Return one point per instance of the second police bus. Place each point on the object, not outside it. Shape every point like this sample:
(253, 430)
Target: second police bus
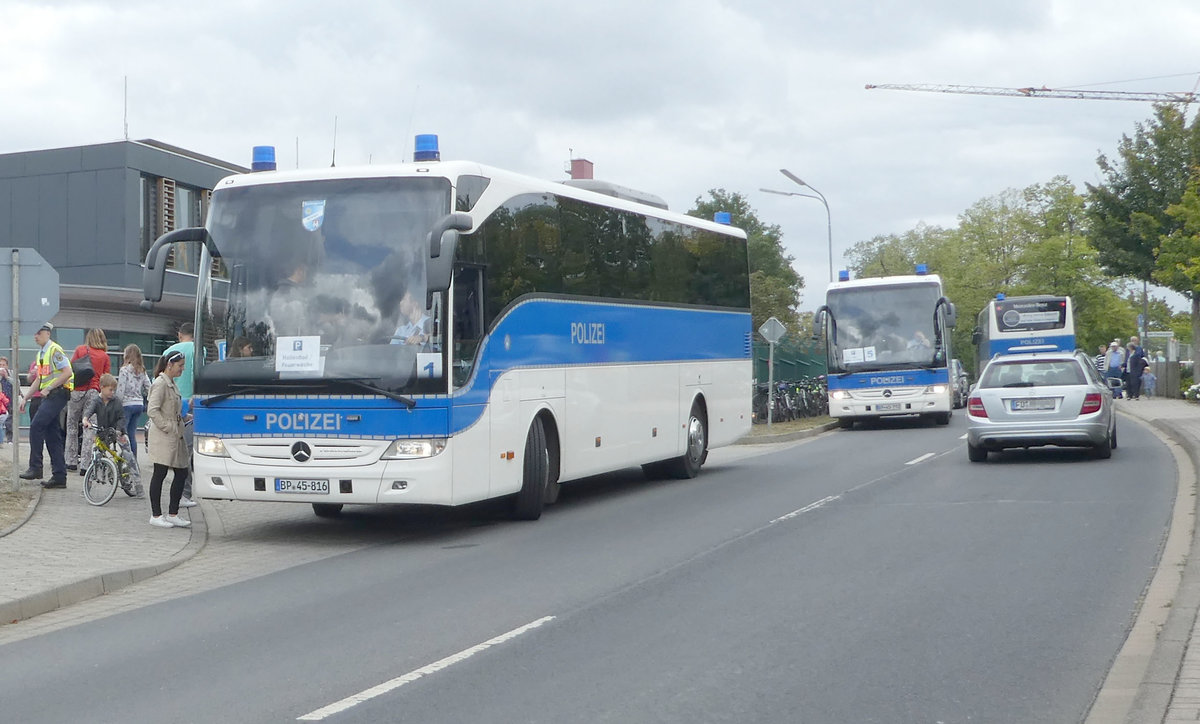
(446, 332)
(888, 347)
(1008, 323)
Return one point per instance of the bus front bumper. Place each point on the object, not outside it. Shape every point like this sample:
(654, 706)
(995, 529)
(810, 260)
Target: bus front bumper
(420, 481)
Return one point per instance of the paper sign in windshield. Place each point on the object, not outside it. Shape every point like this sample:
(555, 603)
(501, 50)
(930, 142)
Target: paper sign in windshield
(858, 354)
(298, 354)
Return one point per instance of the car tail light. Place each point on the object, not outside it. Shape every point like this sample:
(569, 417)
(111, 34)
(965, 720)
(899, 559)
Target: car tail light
(1091, 403)
(975, 407)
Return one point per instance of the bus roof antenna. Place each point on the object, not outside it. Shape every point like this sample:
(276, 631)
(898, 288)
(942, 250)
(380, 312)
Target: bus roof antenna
(333, 161)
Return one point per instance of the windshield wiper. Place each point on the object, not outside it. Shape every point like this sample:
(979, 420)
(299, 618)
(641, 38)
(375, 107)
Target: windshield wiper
(361, 383)
(240, 389)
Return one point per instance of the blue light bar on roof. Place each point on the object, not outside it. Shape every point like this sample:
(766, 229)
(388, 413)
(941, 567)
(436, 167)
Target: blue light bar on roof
(723, 217)
(922, 269)
(427, 148)
(262, 158)
(1000, 296)
(843, 275)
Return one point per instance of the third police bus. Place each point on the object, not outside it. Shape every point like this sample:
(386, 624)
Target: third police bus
(1008, 323)
(446, 332)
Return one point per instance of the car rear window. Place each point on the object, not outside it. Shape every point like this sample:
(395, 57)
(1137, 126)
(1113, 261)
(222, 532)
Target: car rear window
(1033, 373)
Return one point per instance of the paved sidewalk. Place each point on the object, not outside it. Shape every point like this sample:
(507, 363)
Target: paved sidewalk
(1170, 690)
(68, 551)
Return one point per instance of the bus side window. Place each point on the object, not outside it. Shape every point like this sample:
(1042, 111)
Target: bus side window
(468, 320)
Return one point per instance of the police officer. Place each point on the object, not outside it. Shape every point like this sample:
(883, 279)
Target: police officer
(53, 381)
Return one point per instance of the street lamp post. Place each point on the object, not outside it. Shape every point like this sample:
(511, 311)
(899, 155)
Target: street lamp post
(819, 197)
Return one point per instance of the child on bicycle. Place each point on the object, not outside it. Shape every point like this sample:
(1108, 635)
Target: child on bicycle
(110, 413)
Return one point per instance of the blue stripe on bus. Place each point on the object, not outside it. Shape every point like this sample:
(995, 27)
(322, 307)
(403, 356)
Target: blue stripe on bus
(890, 378)
(1062, 342)
(534, 333)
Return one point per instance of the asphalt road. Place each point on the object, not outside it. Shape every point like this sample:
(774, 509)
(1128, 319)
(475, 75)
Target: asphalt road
(869, 576)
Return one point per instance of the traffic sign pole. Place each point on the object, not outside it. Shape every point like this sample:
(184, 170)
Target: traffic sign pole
(28, 306)
(772, 330)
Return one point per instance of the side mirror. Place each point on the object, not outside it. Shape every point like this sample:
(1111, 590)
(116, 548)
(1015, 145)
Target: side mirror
(951, 315)
(443, 244)
(976, 336)
(155, 275)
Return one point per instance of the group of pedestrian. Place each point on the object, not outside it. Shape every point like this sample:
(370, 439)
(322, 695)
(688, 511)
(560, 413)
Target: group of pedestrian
(1128, 364)
(95, 399)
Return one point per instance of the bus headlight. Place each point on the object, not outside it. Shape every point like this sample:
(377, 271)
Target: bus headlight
(839, 394)
(410, 449)
(938, 389)
(211, 446)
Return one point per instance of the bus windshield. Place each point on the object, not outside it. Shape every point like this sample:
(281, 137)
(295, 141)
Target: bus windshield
(883, 327)
(326, 283)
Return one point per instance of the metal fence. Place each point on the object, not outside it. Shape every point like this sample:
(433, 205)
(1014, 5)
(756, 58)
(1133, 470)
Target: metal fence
(794, 360)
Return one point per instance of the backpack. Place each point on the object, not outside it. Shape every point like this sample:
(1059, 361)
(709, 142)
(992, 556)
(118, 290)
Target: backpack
(83, 371)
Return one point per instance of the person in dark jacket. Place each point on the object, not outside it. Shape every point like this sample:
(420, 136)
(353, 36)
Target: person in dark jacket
(107, 412)
(1135, 364)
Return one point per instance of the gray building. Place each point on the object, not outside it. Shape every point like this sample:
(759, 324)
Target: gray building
(92, 213)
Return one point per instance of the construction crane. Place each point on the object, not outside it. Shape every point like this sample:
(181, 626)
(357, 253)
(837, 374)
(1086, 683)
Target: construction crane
(1095, 95)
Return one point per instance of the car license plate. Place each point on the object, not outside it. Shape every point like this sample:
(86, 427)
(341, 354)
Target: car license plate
(887, 407)
(1033, 403)
(288, 485)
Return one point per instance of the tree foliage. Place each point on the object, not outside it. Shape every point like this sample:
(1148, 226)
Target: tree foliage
(775, 286)
(1146, 214)
(1032, 241)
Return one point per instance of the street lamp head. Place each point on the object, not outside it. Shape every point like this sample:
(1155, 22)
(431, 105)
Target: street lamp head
(792, 176)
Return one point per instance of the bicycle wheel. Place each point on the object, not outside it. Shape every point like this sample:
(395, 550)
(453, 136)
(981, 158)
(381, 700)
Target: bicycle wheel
(101, 481)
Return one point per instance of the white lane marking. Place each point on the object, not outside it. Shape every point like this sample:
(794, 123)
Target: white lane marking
(923, 458)
(385, 687)
(962, 436)
(805, 509)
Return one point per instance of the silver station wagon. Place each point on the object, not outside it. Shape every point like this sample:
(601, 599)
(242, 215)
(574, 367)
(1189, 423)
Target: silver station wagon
(1041, 398)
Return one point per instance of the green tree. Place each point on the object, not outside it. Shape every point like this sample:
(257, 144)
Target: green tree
(775, 286)
(1178, 263)
(1129, 211)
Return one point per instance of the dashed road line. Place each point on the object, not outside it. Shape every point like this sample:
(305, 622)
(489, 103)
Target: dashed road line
(396, 683)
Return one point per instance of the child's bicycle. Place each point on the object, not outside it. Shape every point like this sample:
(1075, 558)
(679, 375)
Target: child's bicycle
(108, 470)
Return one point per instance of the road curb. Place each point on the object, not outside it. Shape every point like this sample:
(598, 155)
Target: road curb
(32, 506)
(1153, 698)
(786, 436)
(94, 586)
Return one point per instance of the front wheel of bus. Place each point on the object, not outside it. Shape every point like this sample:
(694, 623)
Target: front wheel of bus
(688, 464)
(535, 477)
(327, 510)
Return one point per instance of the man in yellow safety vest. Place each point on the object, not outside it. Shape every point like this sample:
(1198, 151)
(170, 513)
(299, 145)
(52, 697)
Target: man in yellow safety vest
(53, 381)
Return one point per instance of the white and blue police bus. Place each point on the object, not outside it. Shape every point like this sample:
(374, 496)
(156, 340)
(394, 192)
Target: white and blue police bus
(445, 332)
(887, 340)
(1007, 324)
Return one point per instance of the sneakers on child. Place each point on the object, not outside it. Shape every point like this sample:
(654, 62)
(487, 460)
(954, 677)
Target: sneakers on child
(178, 522)
(159, 522)
(187, 503)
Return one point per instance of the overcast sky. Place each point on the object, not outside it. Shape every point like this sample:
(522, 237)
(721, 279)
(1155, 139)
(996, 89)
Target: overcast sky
(670, 97)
